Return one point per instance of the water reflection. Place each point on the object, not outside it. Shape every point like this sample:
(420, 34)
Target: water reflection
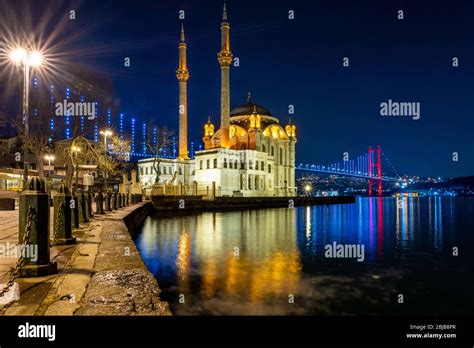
(250, 262)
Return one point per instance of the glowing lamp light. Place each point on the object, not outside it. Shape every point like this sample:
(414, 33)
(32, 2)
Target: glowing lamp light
(18, 55)
(106, 133)
(35, 59)
(308, 188)
(21, 56)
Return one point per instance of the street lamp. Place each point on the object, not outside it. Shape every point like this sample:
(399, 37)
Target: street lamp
(49, 158)
(308, 189)
(26, 59)
(106, 133)
(75, 150)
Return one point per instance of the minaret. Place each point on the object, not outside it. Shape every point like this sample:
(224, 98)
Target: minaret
(225, 60)
(182, 74)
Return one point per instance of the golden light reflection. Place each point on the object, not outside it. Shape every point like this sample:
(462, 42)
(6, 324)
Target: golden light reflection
(308, 224)
(267, 263)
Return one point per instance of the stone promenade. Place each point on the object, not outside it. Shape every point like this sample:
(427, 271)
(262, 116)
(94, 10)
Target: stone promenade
(103, 274)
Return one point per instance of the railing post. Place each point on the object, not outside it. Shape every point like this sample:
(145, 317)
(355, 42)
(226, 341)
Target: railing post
(82, 206)
(34, 224)
(108, 198)
(75, 209)
(113, 201)
(89, 204)
(62, 218)
(99, 207)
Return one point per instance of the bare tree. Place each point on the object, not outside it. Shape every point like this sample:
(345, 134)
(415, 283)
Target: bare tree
(158, 142)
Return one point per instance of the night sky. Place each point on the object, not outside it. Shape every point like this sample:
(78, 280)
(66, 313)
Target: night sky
(299, 62)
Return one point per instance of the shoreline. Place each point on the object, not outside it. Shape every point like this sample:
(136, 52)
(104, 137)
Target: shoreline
(197, 203)
(103, 274)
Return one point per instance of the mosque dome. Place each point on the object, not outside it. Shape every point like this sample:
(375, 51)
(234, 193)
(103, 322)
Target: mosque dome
(248, 108)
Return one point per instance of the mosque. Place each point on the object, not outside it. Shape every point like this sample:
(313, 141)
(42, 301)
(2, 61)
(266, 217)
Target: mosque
(250, 155)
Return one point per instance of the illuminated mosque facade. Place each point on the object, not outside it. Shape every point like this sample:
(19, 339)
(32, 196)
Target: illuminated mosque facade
(249, 155)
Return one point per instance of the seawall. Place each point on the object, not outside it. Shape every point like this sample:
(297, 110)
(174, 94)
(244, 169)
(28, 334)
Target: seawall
(169, 203)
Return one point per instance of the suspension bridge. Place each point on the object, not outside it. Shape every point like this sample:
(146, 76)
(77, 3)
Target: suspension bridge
(366, 166)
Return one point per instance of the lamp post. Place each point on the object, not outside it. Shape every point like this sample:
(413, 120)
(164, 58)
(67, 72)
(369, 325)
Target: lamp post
(49, 158)
(107, 133)
(26, 59)
(75, 150)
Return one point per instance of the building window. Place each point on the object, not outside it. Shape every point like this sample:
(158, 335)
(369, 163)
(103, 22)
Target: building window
(200, 164)
(236, 164)
(180, 171)
(273, 151)
(141, 170)
(256, 182)
(262, 166)
(146, 171)
(164, 170)
(264, 148)
(281, 156)
(225, 162)
(269, 168)
(215, 162)
(250, 165)
(242, 165)
(208, 164)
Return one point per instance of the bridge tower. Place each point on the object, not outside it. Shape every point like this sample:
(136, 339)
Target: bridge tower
(375, 176)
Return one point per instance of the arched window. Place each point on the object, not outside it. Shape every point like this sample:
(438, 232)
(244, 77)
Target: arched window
(264, 148)
(273, 151)
(262, 166)
(225, 162)
(269, 168)
(208, 164)
(146, 171)
(165, 171)
(215, 162)
(281, 156)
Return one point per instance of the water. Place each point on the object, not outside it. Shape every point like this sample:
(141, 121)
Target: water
(272, 261)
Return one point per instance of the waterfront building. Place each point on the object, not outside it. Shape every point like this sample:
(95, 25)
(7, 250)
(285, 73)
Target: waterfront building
(251, 154)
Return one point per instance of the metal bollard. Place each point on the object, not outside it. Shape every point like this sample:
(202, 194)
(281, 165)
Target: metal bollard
(34, 231)
(62, 218)
(89, 204)
(99, 207)
(74, 209)
(113, 201)
(80, 205)
(108, 198)
(119, 200)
